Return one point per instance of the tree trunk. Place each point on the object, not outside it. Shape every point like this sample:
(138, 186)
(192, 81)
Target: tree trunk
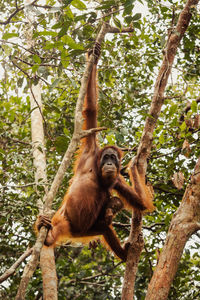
(136, 246)
(39, 161)
(47, 259)
(48, 267)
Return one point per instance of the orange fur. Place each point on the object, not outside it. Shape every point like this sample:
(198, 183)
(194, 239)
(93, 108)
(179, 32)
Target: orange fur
(87, 209)
(138, 183)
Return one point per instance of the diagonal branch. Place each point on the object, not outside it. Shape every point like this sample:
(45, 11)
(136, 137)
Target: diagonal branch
(161, 82)
(48, 199)
(77, 127)
(13, 268)
(147, 138)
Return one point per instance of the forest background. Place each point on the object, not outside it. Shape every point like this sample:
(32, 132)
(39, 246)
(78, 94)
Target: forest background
(43, 48)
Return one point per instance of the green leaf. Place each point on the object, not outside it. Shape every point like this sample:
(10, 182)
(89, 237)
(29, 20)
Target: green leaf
(7, 50)
(164, 9)
(106, 5)
(78, 4)
(69, 13)
(71, 43)
(161, 138)
(183, 126)
(117, 22)
(57, 44)
(9, 35)
(137, 16)
(45, 33)
(111, 139)
(137, 25)
(128, 7)
(61, 143)
(172, 110)
(57, 25)
(66, 132)
(55, 83)
(194, 106)
(34, 68)
(128, 19)
(20, 81)
(65, 58)
(37, 59)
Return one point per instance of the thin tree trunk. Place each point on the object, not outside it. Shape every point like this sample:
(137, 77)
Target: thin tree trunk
(47, 259)
(49, 277)
(39, 161)
(137, 244)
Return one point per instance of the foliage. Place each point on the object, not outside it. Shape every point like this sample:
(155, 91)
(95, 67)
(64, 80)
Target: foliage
(63, 31)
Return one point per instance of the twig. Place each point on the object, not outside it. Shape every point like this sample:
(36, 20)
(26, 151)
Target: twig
(6, 139)
(96, 275)
(32, 64)
(27, 75)
(22, 186)
(46, 6)
(15, 12)
(153, 225)
(149, 260)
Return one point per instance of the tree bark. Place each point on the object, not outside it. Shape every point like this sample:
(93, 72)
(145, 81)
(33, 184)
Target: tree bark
(136, 246)
(47, 259)
(49, 277)
(39, 161)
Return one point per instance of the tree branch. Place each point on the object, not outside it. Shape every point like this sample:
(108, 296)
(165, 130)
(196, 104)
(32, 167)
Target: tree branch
(197, 225)
(12, 269)
(87, 132)
(18, 9)
(122, 30)
(135, 248)
(146, 142)
(161, 82)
